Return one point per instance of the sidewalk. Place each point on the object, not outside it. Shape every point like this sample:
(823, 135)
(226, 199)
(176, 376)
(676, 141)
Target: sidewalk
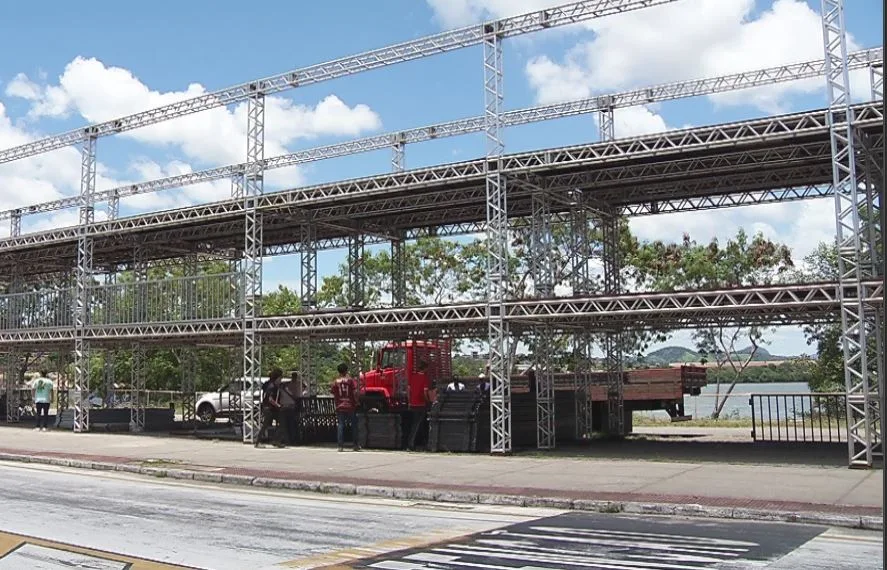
(774, 492)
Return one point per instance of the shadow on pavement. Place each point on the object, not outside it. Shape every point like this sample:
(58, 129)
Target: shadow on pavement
(679, 449)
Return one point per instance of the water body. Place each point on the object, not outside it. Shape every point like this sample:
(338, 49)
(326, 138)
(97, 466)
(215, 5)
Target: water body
(737, 406)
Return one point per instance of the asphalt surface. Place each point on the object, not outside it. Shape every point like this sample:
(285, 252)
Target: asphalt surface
(63, 518)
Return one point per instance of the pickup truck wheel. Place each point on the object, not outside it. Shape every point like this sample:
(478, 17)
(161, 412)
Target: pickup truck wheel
(206, 414)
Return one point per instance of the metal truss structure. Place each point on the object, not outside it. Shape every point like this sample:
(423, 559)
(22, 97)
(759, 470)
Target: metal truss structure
(856, 199)
(833, 152)
(871, 59)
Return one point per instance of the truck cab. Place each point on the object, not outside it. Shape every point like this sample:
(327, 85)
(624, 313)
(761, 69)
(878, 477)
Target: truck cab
(396, 382)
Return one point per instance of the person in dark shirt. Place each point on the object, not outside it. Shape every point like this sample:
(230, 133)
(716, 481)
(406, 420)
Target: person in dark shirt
(344, 391)
(271, 407)
(418, 403)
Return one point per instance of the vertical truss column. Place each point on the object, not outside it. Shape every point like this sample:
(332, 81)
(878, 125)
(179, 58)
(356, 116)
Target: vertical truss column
(308, 259)
(188, 359)
(114, 206)
(607, 123)
(138, 380)
(10, 377)
(583, 342)
(252, 267)
(398, 150)
(84, 283)
(237, 186)
(357, 291)
(497, 236)
(62, 391)
(543, 280)
(137, 394)
(613, 339)
(15, 224)
(108, 378)
(876, 74)
(398, 270)
(858, 321)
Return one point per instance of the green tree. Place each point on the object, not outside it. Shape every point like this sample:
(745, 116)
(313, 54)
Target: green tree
(742, 261)
(827, 374)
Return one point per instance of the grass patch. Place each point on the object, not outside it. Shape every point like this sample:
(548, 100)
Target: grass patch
(646, 421)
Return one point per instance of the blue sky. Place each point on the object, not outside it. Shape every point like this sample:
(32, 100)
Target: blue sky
(131, 55)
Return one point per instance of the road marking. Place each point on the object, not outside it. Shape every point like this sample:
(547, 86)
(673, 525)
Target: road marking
(335, 559)
(19, 551)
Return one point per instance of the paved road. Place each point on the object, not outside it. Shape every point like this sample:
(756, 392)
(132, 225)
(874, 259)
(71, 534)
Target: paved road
(54, 518)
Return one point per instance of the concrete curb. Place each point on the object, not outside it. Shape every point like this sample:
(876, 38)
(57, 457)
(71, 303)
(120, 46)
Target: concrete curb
(467, 497)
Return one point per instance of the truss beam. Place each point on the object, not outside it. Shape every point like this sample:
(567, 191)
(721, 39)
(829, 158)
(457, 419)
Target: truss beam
(609, 155)
(407, 51)
(866, 58)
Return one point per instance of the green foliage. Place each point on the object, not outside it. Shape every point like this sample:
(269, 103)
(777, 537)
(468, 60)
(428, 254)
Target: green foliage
(827, 374)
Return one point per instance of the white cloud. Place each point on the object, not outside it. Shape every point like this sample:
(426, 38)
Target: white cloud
(98, 92)
(218, 136)
(801, 226)
(43, 177)
(705, 38)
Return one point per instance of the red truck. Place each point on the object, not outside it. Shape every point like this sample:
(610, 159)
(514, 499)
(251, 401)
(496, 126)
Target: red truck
(396, 383)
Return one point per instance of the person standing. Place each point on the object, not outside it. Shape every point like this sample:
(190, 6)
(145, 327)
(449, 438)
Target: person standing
(42, 398)
(271, 407)
(344, 391)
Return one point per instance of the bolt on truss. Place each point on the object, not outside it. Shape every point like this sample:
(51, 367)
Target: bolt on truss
(613, 338)
(583, 342)
(83, 283)
(308, 260)
(497, 237)
(859, 321)
(543, 281)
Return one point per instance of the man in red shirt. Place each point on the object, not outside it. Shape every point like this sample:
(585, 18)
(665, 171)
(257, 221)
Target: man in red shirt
(344, 391)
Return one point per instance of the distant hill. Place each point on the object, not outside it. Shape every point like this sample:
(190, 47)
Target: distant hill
(670, 354)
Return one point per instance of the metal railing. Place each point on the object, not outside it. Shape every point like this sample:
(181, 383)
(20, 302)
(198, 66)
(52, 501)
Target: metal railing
(203, 297)
(805, 418)
(47, 308)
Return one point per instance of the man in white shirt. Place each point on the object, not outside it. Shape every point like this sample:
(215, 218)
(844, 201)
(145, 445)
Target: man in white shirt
(42, 398)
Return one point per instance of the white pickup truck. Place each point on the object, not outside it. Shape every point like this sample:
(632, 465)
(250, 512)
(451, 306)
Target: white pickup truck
(220, 404)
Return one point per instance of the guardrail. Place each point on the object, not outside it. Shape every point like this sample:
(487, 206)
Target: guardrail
(804, 418)
(203, 297)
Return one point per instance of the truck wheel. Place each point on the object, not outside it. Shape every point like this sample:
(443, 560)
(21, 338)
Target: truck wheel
(206, 414)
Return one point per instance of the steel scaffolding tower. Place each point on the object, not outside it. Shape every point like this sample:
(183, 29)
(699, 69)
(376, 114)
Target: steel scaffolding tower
(83, 281)
(542, 270)
(861, 325)
(252, 261)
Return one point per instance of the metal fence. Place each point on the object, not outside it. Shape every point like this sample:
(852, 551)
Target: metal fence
(48, 308)
(176, 299)
(811, 418)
